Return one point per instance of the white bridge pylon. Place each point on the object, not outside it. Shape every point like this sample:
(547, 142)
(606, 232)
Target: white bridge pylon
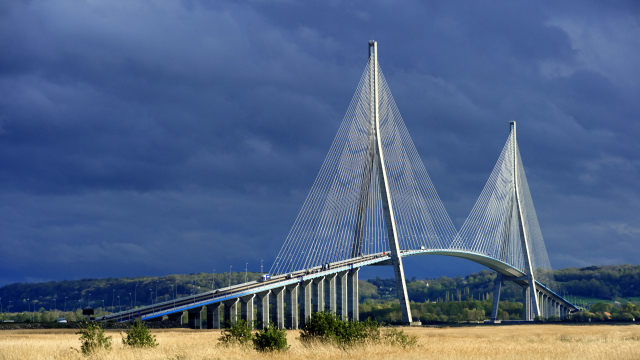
(374, 195)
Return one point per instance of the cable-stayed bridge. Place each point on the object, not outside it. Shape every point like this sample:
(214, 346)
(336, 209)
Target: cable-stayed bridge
(373, 203)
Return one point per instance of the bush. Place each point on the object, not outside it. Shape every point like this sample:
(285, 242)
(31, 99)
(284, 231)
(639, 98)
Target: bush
(623, 317)
(236, 334)
(138, 335)
(270, 339)
(327, 327)
(397, 337)
(92, 338)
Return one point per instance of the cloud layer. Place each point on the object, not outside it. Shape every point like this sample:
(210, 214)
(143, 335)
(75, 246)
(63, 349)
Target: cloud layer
(147, 138)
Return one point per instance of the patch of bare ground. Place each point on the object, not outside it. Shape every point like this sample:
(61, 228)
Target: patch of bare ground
(495, 342)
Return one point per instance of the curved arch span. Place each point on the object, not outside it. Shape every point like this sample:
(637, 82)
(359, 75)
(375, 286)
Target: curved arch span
(493, 264)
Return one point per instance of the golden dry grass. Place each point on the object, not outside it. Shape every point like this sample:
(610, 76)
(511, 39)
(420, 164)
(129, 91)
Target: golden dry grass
(501, 342)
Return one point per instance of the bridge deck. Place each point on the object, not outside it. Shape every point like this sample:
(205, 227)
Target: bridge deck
(253, 287)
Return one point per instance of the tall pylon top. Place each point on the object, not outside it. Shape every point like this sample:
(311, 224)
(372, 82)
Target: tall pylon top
(373, 50)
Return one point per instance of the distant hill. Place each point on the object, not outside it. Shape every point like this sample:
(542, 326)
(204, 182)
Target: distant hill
(124, 291)
(607, 282)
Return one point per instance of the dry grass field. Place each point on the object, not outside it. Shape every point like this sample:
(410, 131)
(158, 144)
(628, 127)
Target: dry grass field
(500, 342)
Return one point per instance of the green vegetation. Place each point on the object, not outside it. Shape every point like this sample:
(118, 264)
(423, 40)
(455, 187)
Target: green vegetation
(236, 334)
(265, 340)
(270, 339)
(441, 312)
(42, 295)
(138, 335)
(328, 328)
(325, 327)
(397, 337)
(477, 286)
(608, 312)
(92, 338)
(602, 282)
(584, 286)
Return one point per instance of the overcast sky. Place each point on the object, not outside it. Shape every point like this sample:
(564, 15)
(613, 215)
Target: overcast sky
(159, 137)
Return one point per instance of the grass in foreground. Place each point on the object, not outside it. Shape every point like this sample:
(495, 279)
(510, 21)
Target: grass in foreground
(499, 342)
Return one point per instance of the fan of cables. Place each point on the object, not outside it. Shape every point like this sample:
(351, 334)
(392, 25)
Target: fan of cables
(497, 224)
(343, 215)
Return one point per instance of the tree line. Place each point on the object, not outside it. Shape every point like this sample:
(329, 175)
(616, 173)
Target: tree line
(606, 282)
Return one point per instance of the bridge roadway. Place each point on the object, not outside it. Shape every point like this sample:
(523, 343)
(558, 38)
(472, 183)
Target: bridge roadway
(552, 303)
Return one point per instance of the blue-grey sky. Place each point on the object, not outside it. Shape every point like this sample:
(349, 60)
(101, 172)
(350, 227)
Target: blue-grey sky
(150, 138)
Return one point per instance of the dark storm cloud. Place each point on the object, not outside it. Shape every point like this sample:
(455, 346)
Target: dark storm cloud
(152, 138)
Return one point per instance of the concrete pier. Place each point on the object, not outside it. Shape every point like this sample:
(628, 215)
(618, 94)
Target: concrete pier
(330, 293)
(230, 312)
(246, 309)
(184, 319)
(342, 303)
(318, 294)
(213, 316)
(291, 299)
(305, 303)
(496, 298)
(277, 307)
(354, 304)
(262, 309)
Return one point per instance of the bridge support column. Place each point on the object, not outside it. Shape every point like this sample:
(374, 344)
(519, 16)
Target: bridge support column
(342, 304)
(291, 298)
(246, 309)
(354, 307)
(541, 304)
(305, 305)
(262, 309)
(496, 298)
(277, 315)
(213, 316)
(318, 294)
(202, 318)
(330, 294)
(195, 319)
(526, 304)
(184, 319)
(547, 306)
(230, 312)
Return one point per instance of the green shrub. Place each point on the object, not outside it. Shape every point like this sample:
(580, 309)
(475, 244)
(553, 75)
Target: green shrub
(92, 338)
(327, 327)
(236, 334)
(138, 335)
(397, 337)
(270, 339)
